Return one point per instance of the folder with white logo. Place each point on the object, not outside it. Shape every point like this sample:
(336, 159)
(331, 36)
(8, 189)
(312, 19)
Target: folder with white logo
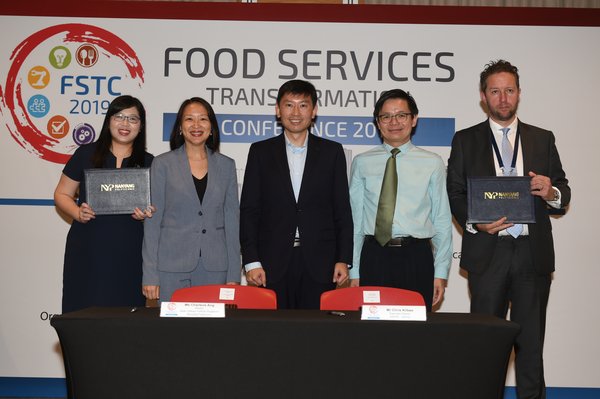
(117, 191)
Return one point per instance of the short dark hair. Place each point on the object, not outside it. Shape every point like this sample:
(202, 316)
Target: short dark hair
(176, 140)
(104, 142)
(297, 86)
(395, 93)
(494, 67)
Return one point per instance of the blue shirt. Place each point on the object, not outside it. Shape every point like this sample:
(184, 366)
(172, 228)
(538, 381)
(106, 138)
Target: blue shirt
(422, 207)
(296, 157)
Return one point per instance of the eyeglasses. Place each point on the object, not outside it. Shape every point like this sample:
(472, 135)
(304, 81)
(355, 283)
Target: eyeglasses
(133, 119)
(399, 117)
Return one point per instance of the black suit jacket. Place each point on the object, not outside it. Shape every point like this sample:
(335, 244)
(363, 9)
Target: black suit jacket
(269, 213)
(472, 155)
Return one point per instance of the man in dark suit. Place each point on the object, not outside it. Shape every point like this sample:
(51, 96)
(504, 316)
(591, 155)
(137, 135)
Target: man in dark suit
(295, 218)
(508, 264)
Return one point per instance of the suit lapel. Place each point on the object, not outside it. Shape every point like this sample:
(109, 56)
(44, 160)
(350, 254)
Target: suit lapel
(185, 179)
(526, 147)
(282, 166)
(214, 175)
(312, 156)
(486, 158)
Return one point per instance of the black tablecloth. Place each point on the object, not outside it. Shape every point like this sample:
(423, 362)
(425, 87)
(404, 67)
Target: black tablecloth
(114, 353)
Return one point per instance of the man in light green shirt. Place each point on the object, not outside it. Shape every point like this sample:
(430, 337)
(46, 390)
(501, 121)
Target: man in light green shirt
(416, 253)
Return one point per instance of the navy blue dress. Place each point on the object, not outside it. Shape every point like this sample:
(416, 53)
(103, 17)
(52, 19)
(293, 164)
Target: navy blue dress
(103, 258)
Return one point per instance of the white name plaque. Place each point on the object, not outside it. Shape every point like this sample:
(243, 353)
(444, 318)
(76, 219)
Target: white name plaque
(192, 309)
(393, 312)
(227, 294)
(371, 297)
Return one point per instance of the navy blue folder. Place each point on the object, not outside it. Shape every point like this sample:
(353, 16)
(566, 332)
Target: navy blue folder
(117, 191)
(490, 198)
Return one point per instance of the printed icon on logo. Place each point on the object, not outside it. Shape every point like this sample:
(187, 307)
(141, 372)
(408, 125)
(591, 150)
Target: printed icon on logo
(59, 57)
(38, 77)
(58, 127)
(86, 55)
(84, 134)
(38, 106)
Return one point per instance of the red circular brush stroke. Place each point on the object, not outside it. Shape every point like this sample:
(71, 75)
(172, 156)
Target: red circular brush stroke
(27, 135)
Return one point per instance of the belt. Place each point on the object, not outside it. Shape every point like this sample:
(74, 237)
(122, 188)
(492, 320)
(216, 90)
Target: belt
(296, 242)
(399, 241)
(511, 238)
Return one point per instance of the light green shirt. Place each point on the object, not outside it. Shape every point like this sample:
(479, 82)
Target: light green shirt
(422, 207)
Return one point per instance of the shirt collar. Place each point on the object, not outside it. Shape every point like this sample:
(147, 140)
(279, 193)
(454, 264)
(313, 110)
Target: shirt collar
(496, 126)
(403, 148)
(296, 149)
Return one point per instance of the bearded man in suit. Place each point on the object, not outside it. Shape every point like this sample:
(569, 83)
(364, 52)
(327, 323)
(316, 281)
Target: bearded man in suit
(510, 265)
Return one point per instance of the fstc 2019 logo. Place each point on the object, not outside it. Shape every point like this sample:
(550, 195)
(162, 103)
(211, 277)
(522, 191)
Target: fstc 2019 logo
(59, 85)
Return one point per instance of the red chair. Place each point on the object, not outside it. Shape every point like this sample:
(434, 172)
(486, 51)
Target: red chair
(352, 298)
(244, 297)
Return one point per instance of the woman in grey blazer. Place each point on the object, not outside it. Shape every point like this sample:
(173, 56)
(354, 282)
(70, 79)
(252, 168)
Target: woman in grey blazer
(193, 237)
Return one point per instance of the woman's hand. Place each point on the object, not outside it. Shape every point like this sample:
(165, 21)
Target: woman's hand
(86, 213)
(151, 291)
(138, 214)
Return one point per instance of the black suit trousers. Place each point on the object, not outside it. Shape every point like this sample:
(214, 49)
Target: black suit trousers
(408, 267)
(298, 289)
(511, 281)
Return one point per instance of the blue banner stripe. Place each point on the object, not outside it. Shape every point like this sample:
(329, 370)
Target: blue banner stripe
(26, 201)
(23, 387)
(352, 130)
(560, 393)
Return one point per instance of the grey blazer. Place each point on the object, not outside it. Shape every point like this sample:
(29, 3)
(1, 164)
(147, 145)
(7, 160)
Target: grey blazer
(183, 229)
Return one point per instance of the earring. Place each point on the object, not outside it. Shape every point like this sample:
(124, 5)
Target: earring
(180, 132)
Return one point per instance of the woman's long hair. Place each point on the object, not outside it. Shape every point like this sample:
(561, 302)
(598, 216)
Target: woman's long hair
(104, 142)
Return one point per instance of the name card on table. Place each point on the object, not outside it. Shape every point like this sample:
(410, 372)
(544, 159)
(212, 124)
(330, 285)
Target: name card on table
(192, 309)
(371, 297)
(226, 294)
(393, 312)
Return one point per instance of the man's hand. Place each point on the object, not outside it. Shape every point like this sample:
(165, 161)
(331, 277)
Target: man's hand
(494, 227)
(541, 186)
(439, 287)
(340, 273)
(257, 277)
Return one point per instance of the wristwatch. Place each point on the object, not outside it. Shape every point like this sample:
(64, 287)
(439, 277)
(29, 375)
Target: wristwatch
(556, 195)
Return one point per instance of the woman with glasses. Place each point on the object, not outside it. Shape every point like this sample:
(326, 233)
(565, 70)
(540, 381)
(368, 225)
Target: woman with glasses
(103, 259)
(193, 238)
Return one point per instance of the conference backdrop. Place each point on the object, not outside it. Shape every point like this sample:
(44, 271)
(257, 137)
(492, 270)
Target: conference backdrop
(58, 75)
